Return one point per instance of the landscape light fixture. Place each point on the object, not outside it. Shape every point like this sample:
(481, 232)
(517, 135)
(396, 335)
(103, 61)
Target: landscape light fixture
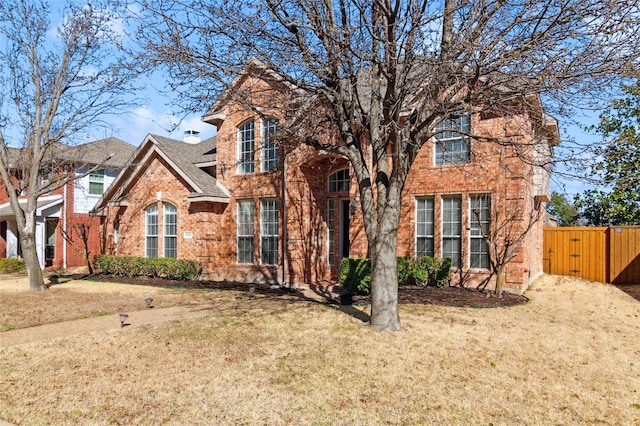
(149, 300)
(252, 290)
(123, 318)
(238, 299)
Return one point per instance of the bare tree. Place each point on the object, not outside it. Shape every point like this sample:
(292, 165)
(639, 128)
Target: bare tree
(56, 81)
(503, 229)
(385, 73)
(80, 242)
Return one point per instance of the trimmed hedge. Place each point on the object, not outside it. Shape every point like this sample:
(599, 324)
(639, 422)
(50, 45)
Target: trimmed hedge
(355, 274)
(8, 266)
(163, 267)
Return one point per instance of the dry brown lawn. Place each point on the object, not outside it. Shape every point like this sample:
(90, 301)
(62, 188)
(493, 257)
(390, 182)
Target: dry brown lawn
(569, 356)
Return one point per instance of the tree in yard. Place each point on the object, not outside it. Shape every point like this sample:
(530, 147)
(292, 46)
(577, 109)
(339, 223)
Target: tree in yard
(387, 76)
(55, 83)
(563, 210)
(616, 198)
(78, 237)
(502, 229)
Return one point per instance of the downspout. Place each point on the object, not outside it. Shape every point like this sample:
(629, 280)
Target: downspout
(284, 217)
(64, 226)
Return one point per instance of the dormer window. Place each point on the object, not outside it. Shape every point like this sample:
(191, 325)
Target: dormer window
(451, 146)
(246, 146)
(269, 150)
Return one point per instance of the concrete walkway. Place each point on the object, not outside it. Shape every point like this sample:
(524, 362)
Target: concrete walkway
(104, 323)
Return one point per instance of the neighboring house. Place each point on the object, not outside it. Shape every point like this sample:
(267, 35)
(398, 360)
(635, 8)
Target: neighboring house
(250, 211)
(61, 211)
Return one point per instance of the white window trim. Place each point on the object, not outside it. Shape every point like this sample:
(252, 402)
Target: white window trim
(331, 230)
(164, 229)
(471, 236)
(415, 231)
(239, 150)
(146, 231)
(265, 126)
(238, 235)
(460, 137)
(262, 229)
(442, 234)
(100, 181)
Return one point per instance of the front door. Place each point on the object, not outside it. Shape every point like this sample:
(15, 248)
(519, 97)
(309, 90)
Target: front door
(343, 231)
(50, 241)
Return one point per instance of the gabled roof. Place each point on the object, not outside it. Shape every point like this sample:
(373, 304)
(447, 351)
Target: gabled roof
(187, 160)
(112, 153)
(109, 152)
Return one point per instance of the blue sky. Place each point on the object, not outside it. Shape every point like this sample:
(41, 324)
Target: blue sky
(155, 116)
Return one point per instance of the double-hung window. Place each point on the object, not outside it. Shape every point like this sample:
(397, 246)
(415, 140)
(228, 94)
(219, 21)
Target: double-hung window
(452, 229)
(170, 231)
(269, 232)
(480, 218)
(96, 182)
(269, 150)
(246, 145)
(451, 146)
(424, 227)
(151, 231)
(245, 232)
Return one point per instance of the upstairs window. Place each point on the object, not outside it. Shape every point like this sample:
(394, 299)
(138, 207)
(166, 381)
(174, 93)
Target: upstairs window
(96, 182)
(451, 146)
(339, 181)
(270, 149)
(246, 146)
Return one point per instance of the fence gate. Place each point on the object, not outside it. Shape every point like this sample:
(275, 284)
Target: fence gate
(577, 252)
(625, 255)
(604, 254)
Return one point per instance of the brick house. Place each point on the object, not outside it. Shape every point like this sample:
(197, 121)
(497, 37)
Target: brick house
(252, 211)
(61, 210)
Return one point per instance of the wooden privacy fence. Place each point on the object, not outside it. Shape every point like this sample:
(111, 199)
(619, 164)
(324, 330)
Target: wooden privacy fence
(605, 254)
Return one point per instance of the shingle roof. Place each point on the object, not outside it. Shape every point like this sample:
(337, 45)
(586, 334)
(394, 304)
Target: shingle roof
(186, 156)
(110, 152)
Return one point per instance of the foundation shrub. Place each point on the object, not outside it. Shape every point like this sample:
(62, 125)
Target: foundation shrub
(355, 275)
(163, 267)
(427, 270)
(8, 266)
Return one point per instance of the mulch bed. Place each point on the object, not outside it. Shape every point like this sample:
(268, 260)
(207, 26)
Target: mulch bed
(422, 295)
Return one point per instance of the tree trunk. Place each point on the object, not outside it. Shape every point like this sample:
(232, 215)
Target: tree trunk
(499, 278)
(36, 279)
(384, 274)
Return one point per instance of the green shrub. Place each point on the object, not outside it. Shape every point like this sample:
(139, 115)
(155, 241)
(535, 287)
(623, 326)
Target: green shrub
(431, 270)
(355, 275)
(404, 269)
(163, 267)
(8, 266)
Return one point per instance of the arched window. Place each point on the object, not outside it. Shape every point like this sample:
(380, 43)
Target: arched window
(170, 231)
(151, 231)
(246, 147)
(339, 181)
